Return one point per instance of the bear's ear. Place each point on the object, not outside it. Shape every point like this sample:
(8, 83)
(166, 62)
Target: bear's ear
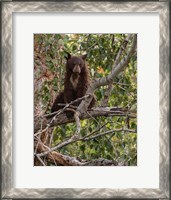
(68, 56)
(84, 56)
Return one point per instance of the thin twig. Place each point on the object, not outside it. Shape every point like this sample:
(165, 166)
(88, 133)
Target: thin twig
(39, 137)
(108, 132)
(94, 131)
(40, 160)
(95, 112)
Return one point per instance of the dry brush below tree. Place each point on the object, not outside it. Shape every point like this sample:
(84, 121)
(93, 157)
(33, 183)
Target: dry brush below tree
(106, 135)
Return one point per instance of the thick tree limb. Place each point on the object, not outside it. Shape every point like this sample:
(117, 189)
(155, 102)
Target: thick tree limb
(42, 124)
(60, 159)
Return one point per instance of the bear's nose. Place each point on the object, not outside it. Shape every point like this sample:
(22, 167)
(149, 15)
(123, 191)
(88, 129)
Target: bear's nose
(77, 69)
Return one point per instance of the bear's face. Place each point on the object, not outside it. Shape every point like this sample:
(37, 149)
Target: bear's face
(75, 64)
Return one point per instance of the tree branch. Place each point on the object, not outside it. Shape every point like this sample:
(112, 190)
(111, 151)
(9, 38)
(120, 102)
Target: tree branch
(60, 159)
(108, 132)
(108, 79)
(104, 101)
(96, 112)
(75, 139)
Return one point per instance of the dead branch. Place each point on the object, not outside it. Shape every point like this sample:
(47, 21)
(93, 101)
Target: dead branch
(96, 112)
(58, 157)
(64, 160)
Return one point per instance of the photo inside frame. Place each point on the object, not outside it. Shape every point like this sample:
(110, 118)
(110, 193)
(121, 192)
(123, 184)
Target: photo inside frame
(85, 100)
(29, 160)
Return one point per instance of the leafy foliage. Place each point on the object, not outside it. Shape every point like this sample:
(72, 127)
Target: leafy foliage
(49, 69)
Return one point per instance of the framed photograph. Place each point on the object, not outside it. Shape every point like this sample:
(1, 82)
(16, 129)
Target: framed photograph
(85, 99)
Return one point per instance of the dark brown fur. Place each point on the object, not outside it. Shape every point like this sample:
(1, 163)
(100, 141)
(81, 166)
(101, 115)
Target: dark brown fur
(77, 81)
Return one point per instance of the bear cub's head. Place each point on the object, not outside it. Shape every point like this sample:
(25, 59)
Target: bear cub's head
(75, 64)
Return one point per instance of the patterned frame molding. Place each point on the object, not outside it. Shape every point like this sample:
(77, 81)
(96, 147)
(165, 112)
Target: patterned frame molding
(7, 8)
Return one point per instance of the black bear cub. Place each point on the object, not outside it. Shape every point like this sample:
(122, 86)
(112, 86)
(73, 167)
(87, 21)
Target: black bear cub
(77, 81)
